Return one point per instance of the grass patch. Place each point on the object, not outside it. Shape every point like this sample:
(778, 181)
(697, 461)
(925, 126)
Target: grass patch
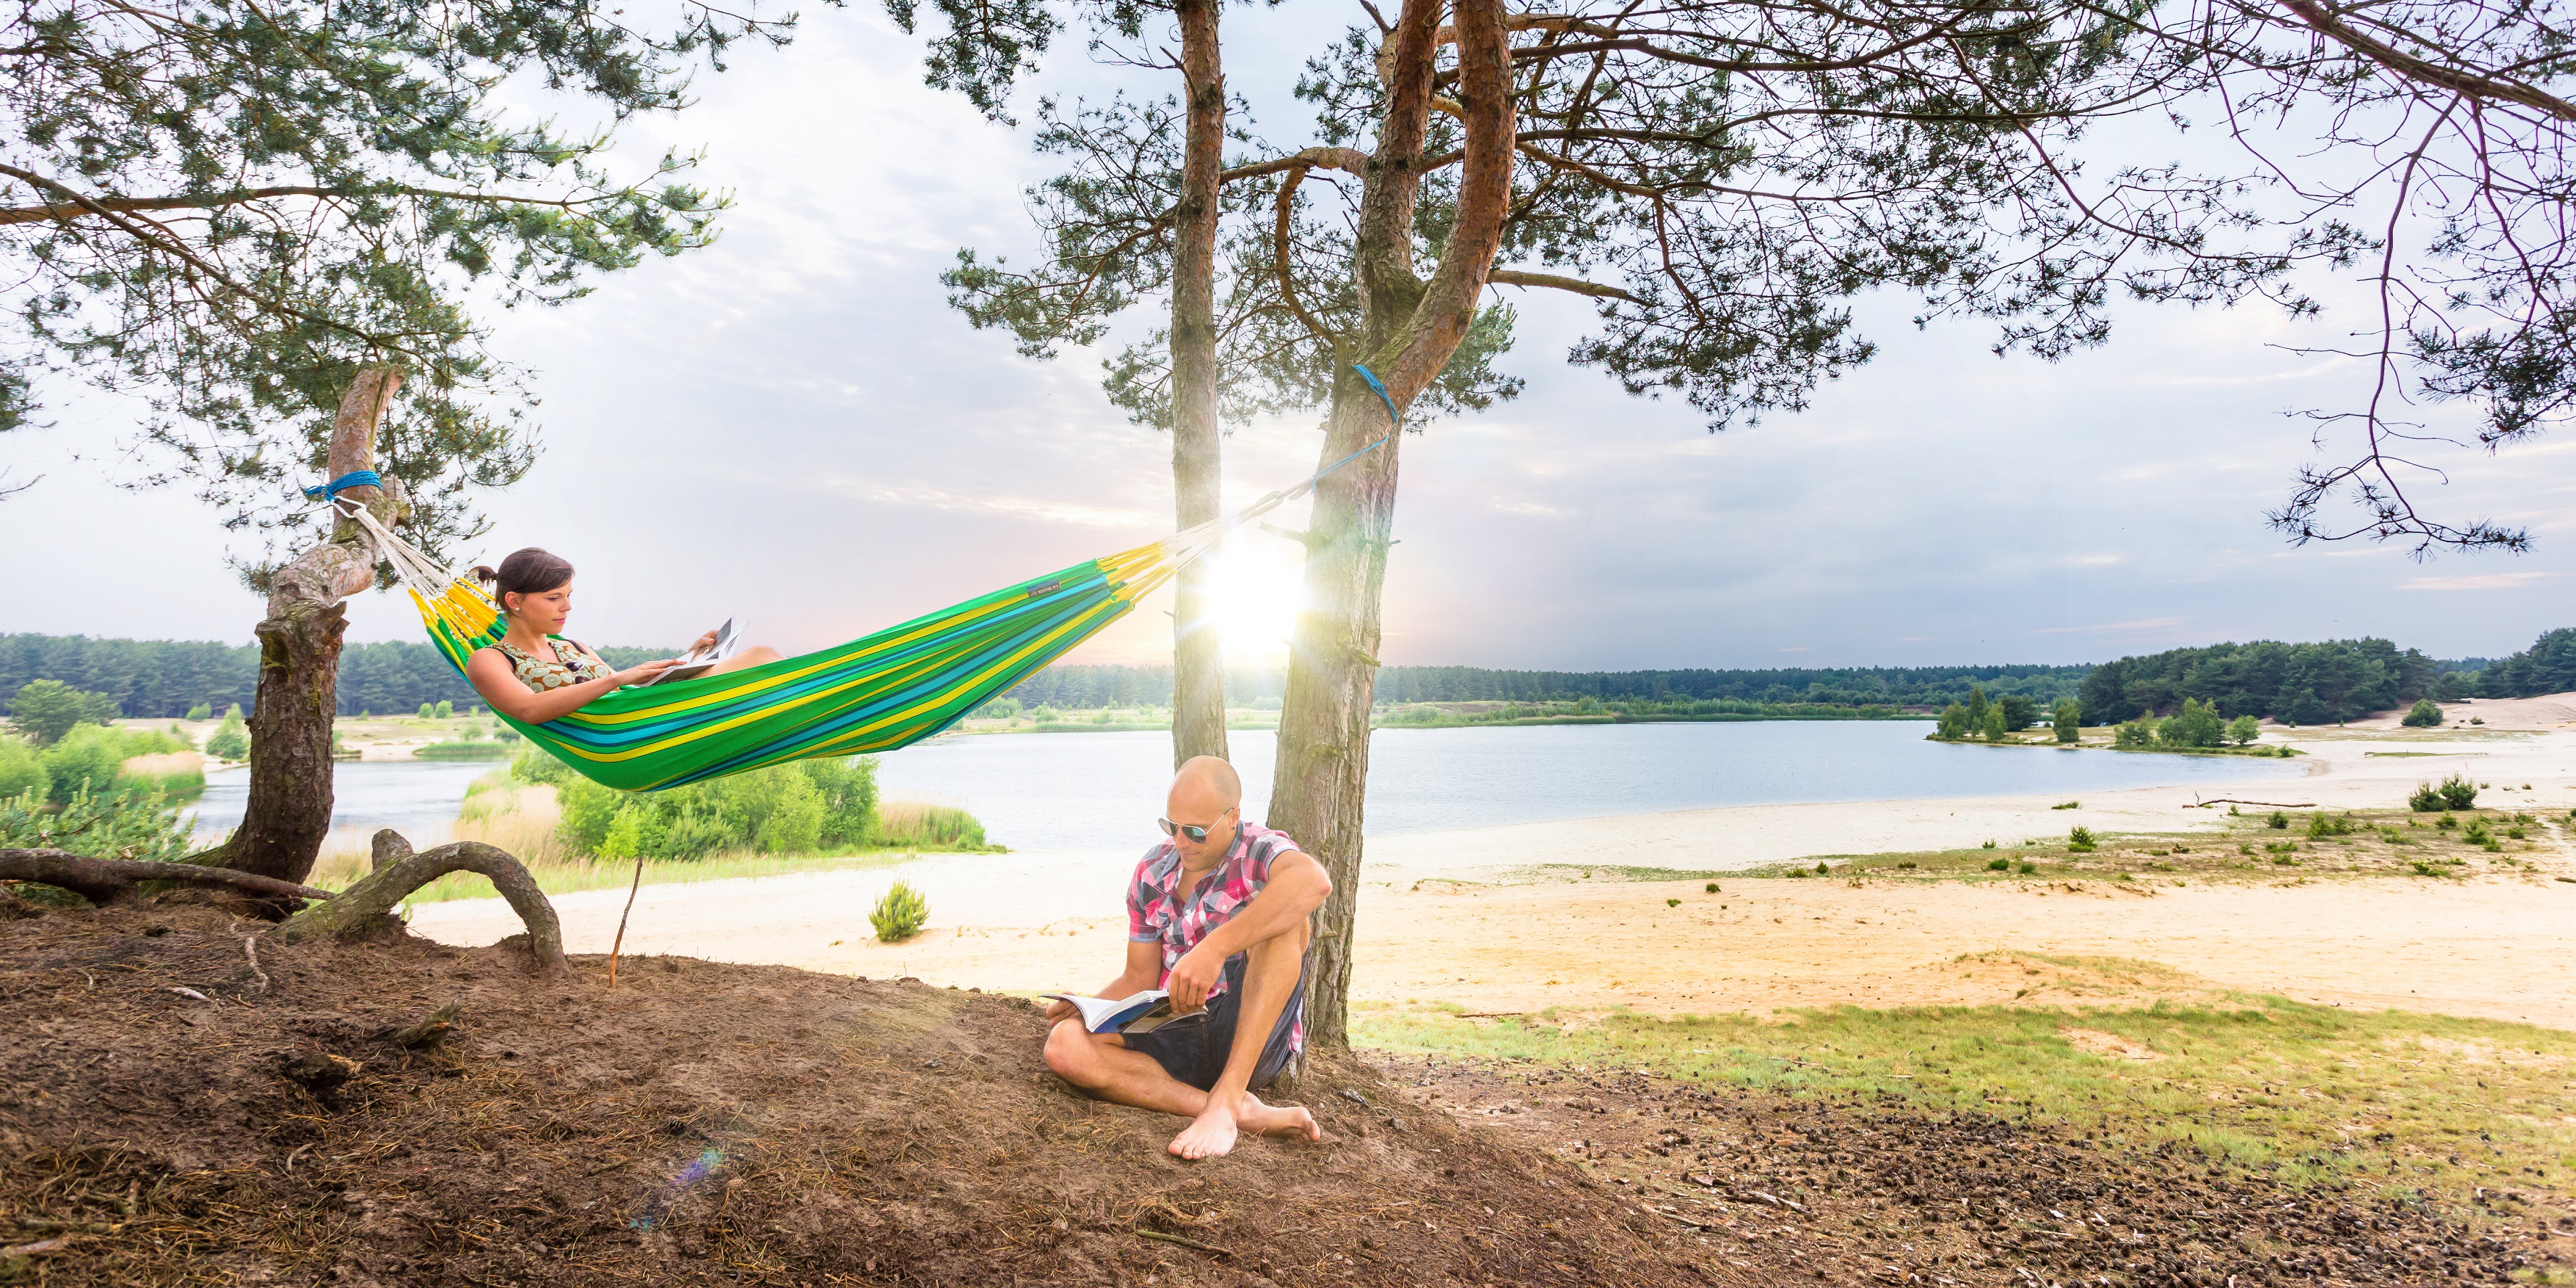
(2394, 1101)
(2245, 847)
(480, 749)
(1612, 872)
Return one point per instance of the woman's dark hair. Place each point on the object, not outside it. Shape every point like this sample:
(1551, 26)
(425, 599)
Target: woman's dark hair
(525, 572)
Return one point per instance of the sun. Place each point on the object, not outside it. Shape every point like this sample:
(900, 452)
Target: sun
(1260, 586)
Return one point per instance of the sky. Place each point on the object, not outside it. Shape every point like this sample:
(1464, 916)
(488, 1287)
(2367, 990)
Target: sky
(792, 426)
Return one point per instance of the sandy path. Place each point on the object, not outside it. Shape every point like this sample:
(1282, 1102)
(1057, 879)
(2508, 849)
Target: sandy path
(2492, 946)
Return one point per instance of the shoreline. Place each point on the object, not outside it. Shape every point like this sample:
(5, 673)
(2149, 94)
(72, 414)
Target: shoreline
(1032, 921)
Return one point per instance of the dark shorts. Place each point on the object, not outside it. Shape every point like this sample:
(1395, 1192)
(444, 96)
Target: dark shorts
(1195, 1052)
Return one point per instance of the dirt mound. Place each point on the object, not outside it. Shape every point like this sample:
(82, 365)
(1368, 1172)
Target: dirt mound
(169, 1117)
(1855, 1193)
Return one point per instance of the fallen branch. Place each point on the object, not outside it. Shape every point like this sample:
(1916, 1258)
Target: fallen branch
(1192, 1244)
(2230, 800)
(104, 881)
(357, 908)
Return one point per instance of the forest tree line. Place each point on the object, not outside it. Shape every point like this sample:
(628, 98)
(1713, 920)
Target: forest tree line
(2295, 683)
(164, 679)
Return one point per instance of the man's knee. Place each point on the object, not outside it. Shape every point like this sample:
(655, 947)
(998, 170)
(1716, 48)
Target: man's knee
(1071, 1055)
(1289, 944)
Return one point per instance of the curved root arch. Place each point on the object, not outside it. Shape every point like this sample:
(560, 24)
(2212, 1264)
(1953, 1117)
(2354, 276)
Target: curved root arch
(399, 872)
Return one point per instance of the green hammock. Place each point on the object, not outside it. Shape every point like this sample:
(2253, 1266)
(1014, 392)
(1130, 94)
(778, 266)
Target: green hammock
(875, 693)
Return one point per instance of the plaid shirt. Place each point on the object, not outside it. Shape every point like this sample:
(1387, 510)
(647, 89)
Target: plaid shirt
(1159, 911)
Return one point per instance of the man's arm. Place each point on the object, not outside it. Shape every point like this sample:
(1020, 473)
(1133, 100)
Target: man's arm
(1144, 963)
(1298, 886)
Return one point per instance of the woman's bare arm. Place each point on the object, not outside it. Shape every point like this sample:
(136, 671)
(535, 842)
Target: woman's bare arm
(500, 686)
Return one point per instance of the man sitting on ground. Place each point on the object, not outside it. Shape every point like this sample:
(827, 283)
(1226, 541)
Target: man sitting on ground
(1217, 916)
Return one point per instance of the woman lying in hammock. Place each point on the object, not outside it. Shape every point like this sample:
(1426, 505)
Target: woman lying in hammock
(534, 674)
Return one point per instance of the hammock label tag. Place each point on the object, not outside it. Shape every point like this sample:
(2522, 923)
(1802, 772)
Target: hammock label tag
(1043, 589)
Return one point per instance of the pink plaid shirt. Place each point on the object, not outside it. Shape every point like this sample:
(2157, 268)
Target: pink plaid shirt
(1158, 911)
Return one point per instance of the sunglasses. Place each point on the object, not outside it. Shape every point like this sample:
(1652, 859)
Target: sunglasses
(1196, 834)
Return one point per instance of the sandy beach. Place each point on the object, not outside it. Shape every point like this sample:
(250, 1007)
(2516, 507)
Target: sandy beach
(2490, 946)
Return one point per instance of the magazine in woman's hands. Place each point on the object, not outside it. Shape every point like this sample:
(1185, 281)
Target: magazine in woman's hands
(1139, 1014)
(697, 662)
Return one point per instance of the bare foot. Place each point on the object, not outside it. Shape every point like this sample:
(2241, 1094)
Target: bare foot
(1214, 1131)
(1276, 1120)
(1208, 1135)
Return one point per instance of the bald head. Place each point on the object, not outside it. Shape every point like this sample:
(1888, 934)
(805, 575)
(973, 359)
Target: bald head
(1209, 781)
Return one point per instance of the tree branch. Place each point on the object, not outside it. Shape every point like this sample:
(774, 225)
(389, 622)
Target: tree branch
(2408, 65)
(1597, 290)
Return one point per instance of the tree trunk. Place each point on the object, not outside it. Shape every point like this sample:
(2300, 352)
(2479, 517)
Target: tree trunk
(1414, 327)
(1198, 654)
(1322, 769)
(288, 811)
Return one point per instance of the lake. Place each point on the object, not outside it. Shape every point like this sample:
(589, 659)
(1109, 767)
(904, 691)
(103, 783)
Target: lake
(1085, 791)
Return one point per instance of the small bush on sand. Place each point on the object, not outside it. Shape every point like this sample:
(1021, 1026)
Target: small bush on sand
(2424, 715)
(1822, 868)
(2029, 868)
(1672, 903)
(2080, 840)
(2278, 820)
(2425, 799)
(2458, 792)
(1712, 886)
(900, 914)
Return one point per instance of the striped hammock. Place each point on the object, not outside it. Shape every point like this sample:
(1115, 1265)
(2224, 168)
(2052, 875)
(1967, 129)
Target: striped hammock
(876, 693)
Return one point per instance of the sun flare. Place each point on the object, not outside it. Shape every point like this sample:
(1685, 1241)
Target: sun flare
(1259, 587)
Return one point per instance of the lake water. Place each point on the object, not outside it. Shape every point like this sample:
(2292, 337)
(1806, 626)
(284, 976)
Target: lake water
(1104, 790)
(418, 797)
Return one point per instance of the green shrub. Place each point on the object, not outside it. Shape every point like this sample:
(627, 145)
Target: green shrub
(2425, 799)
(1999, 865)
(1987, 846)
(2196, 725)
(1993, 727)
(427, 711)
(113, 825)
(1672, 903)
(1822, 868)
(2081, 840)
(22, 770)
(2029, 868)
(2068, 805)
(900, 914)
(202, 711)
(445, 709)
(586, 811)
(2070, 721)
(801, 808)
(87, 759)
(2134, 734)
(538, 765)
(1954, 721)
(2320, 825)
(2458, 792)
(1045, 714)
(848, 789)
(1712, 886)
(2423, 715)
(998, 709)
(2446, 822)
(2278, 820)
(505, 734)
(2243, 730)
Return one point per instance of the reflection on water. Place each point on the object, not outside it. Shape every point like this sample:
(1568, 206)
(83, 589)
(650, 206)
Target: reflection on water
(1104, 790)
(419, 797)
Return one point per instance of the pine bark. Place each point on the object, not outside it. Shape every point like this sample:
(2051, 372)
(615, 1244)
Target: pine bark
(1198, 654)
(1414, 327)
(288, 811)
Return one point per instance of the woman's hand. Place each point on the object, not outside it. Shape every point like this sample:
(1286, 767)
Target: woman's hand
(642, 671)
(706, 644)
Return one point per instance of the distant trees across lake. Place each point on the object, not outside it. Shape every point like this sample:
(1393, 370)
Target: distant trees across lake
(167, 679)
(2297, 684)
(2293, 683)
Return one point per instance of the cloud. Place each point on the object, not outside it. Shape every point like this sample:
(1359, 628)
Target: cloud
(2480, 581)
(2112, 628)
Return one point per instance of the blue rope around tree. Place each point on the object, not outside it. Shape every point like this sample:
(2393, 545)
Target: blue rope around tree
(356, 478)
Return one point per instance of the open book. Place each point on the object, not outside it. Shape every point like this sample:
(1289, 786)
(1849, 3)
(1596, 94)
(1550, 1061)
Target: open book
(1140, 1014)
(698, 662)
